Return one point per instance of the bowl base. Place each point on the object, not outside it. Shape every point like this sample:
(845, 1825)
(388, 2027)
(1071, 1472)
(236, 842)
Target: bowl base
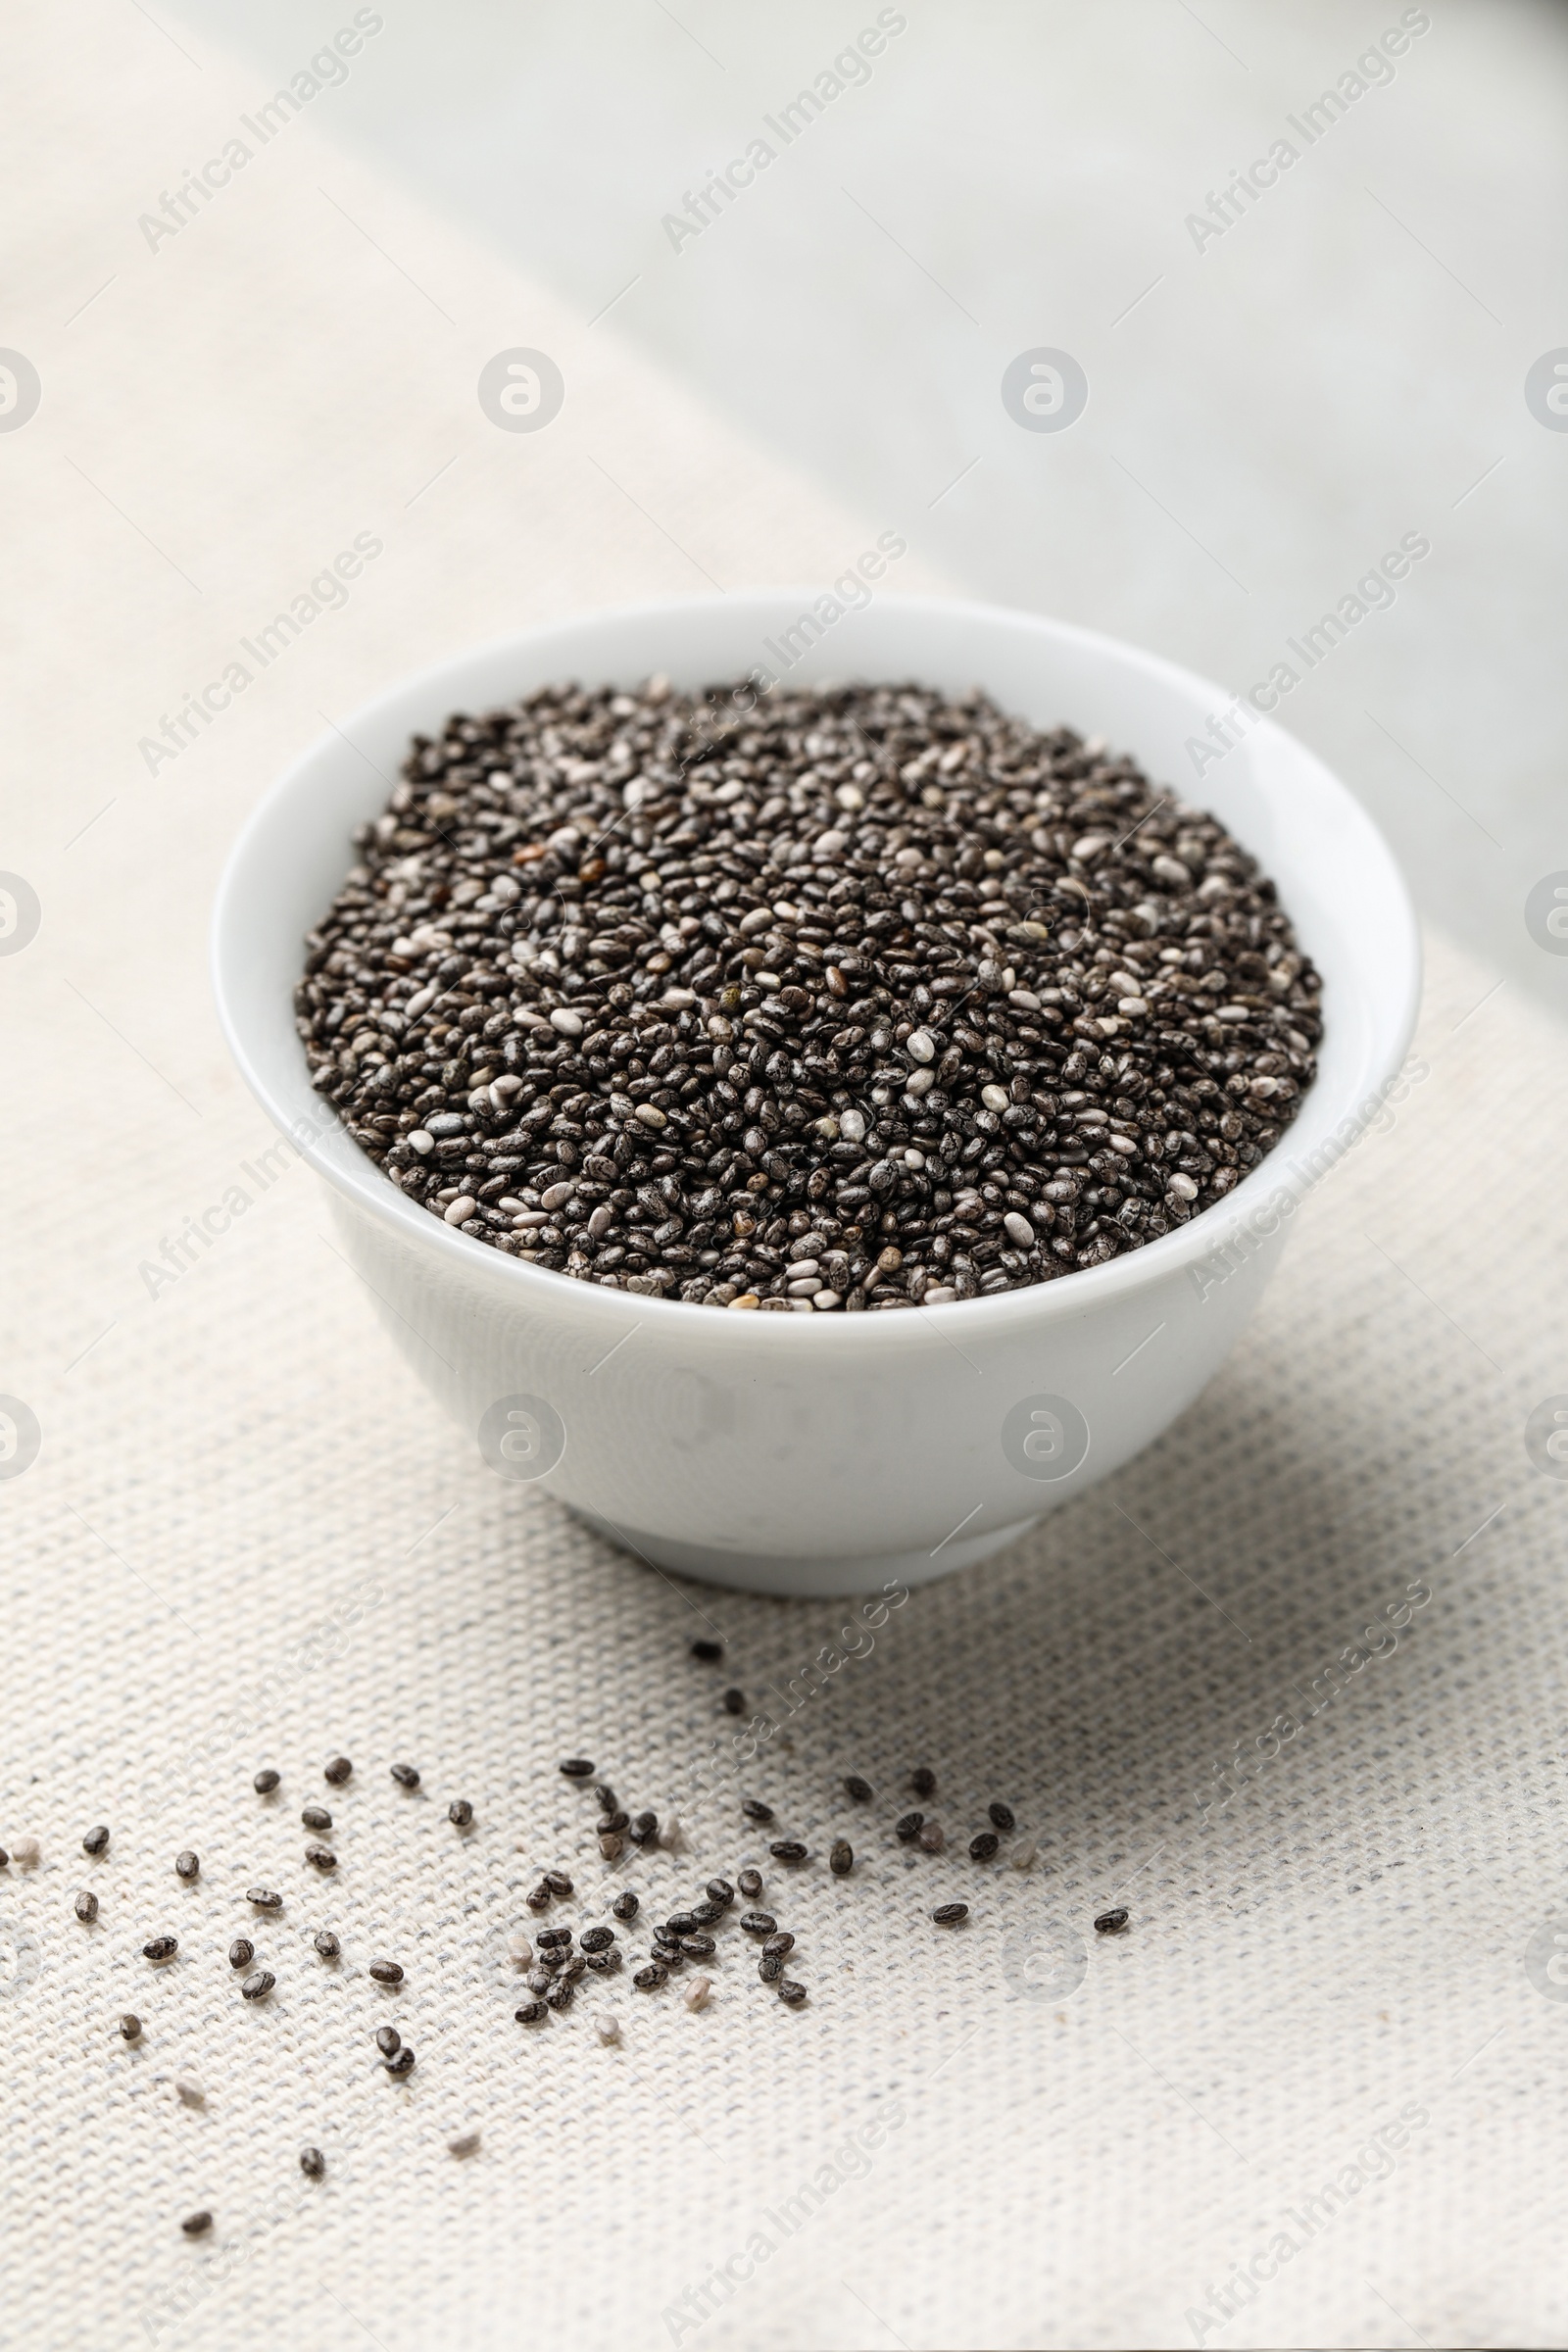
(791, 1576)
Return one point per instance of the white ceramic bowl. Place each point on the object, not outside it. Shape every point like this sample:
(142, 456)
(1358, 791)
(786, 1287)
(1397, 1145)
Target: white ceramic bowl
(826, 1454)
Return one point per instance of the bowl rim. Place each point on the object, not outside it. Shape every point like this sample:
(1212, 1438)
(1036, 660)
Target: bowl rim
(351, 1172)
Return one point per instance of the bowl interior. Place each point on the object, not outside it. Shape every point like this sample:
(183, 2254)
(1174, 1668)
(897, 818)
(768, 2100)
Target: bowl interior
(1336, 876)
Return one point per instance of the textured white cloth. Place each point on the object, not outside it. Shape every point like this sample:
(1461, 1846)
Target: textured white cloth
(249, 1538)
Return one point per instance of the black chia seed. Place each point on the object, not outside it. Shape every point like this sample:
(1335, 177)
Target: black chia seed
(386, 1972)
(750, 1883)
(196, 2225)
(649, 1978)
(241, 1952)
(96, 1841)
(87, 1906)
(577, 1768)
(982, 1848)
(130, 2027)
(337, 1771)
(909, 1827)
(388, 2041)
(720, 1892)
(652, 991)
(257, 1987)
(862, 1791)
(313, 2164)
(841, 1858)
(265, 1780)
(460, 1813)
(401, 2062)
(326, 1944)
(321, 1856)
(923, 1781)
(558, 1883)
(598, 1939)
(263, 1898)
(1112, 1923)
(950, 1915)
(791, 1994)
(187, 1865)
(759, 1923)
(533, 2013)
(709, 1651)
(771, 1967)
(406, 1775)
(787, 1849)
(316, 1817)
(1002, 1817)
(625, 1906)
(162, 1948)
(734, 1702)
(754, 1810)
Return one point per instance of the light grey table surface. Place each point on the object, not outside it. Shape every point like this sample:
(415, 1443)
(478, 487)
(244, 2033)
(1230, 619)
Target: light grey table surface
(1269, 410)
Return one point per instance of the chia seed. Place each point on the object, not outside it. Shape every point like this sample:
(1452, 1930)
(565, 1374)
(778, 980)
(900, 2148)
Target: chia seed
(888, 969)
(406, 1775)
(923, 1781)
(862, 1791)
(710, 1652)
(533, 2013)
(337, 1771)
(1112, 1923)
(720, 1892)
(187, 1865)
(326, 1944)
(1002, 1817)
(841, 1858)
(625, 1906)
(754, 1810)
(750, 1883)
(313, 2164)
(734, 1702)
(96, 1841)
(788, 1849)
(460, 1813)
(265, 1780)
(402, 2062)
(87, 1906)
(982, 1848)
(241, 1952)
(316, 1817)
(950, 1915)
(130, 2027)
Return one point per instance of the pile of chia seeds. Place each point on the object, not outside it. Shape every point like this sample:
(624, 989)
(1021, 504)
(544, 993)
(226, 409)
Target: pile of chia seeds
(865, 998)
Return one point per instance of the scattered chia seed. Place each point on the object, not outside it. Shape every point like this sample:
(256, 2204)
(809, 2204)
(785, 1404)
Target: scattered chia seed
(401, 2062)
(96, 1841)
(709, 1651)
(258, 1986)
(316, 1817)
(1002, 1817)
(932, 1837)
(463, 2143)
(558, 1883)
(553, 1939)
(1112, 1923)
(539, 1898)
(1033, 1013)
(734, 1702)
(720, 1892)
(337, 1771)
(862, 1791)
(907, 1829)
(791, 1994)
(130, 2027)
(923, 1781)
(609, 1825)
(982, 1848)
(460, 1813)
(612, 1845)
(189, 2092)
(645, 1828)
(187, 1865)
(321, 1857)
(697, 1992)
(754, 1810)
(162, 1948)
(313, 2164)
(649, 1978)
(560, 1994)
(1022, 1857)
(771, 1967)
(625, 1906)
(841, 1858)
(386, 1972)
(608, 2029)
(750, 1883)
(87, 1906)
(780, 1942)
(698, 1948)
(196, 2225)
(577, 1768)
(759, 1923)
(533, 2013)
(265, 1780)
(241, 1952)
(950, 1915)
(263, 1898)
(598, 1939)
(326, 1944)
(788, 1849)
(406, 1775)
(388, 2041)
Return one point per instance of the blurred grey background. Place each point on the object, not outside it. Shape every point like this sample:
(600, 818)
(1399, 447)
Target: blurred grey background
(1271, 407)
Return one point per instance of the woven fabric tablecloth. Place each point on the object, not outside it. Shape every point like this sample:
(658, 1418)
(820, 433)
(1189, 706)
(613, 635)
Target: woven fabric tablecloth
(1313, 2096)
